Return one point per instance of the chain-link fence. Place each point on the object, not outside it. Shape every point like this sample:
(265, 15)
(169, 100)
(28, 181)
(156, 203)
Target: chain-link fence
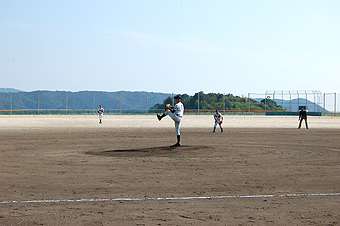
(62, 102)
(330, 103)
(291, 102)
(84, 102)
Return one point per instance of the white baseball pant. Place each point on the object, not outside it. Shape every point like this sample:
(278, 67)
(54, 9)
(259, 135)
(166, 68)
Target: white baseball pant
(176, 119)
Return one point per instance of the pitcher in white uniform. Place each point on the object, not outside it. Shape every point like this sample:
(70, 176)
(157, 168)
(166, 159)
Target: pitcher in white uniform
(176, 113)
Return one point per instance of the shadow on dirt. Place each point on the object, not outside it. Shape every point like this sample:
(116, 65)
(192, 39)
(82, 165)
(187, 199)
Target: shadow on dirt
(166, 151)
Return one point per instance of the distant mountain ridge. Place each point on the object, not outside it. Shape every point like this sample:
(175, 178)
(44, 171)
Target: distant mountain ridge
(134, 100)
(8, 90)
(80, 100)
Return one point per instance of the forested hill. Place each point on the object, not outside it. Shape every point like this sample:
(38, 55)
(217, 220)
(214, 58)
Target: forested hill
(221, 101)
(79, 100)
(126, 100)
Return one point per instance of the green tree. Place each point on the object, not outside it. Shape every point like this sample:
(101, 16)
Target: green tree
(212, 101)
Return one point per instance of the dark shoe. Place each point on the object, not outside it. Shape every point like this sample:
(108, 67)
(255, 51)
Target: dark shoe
(159, 117)
(221, 130)
(176, 145)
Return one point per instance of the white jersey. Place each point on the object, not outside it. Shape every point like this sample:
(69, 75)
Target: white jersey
(179, 109)
(176, 114)
(218, 117)
(100, 111)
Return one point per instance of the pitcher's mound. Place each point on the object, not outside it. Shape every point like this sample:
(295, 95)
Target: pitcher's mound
(154, 151)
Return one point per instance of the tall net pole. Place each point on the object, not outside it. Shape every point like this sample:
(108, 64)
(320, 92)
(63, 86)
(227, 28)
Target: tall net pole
(93, 102)
(248, 102)
(120, 102)
(38, 102)
(198, 103)
(146, 107)
(224, 103)
(11, 106)
(66, 102)
(334, 104)
(173, 100)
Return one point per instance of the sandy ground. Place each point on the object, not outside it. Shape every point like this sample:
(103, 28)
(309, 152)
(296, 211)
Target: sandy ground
(75, 161)
(148, 121)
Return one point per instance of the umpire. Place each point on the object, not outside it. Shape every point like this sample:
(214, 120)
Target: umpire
(303, 116)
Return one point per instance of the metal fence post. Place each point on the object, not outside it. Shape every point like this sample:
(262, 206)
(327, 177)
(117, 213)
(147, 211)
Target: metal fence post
(146, 108)
(334, 104)
(38, 102)
(306, 100)
(66, 103)
(265, 103)
(282, 99)
(314, 100)
(93, 102)
(198, 103)
(290, 101)
(274, 101)
(324, 103)
(298, 107)
(223, 103)
(172, 99)
(11, 106)
(248, 102)
(120, 103)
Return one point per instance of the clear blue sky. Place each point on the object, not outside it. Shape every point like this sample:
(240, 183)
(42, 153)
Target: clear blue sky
(238, 46)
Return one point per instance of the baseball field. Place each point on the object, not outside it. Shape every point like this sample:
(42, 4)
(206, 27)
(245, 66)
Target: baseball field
(71, 170)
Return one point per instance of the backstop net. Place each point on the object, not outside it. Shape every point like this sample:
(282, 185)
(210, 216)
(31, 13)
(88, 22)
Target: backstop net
(293, 101)
(330, 102)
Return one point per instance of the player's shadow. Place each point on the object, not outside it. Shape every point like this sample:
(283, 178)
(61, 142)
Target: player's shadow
(147, 149)
(153, 151)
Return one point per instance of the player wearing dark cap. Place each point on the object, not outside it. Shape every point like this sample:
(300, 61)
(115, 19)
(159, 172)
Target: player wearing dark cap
(303, 116)
(176, 113)
(218, 120)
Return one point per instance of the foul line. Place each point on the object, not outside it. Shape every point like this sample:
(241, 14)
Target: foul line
(169, 198)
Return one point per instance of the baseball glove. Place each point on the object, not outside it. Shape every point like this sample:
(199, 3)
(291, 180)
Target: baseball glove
(167, 107)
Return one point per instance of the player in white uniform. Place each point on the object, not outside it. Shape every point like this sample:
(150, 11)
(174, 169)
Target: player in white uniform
(100, 112)
(218, 120)
(176, 113)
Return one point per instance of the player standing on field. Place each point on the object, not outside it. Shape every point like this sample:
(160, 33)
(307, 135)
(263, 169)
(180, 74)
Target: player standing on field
(218, 120)
(176, 113)
(100, 112)
(303, 116)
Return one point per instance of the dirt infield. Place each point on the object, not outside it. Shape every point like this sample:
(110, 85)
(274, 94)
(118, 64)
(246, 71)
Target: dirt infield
(72, 171)
(19, 122)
